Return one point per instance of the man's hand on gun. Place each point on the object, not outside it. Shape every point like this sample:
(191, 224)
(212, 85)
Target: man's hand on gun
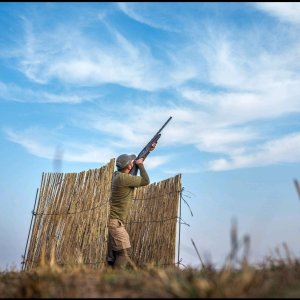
(141, 160)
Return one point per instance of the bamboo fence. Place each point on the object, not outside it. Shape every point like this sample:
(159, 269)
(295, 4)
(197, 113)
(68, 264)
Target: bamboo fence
(70, 222)
(152, 221)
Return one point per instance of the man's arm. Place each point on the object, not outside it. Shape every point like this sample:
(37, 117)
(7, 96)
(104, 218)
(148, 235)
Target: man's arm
(143, 173)
(136, 181)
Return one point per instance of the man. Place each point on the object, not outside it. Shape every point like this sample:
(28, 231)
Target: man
(123, 185)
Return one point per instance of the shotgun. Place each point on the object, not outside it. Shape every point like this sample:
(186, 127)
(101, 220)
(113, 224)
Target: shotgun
(146, 150)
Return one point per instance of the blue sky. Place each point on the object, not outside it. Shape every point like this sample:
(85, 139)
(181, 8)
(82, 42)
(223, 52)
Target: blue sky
(85, 82)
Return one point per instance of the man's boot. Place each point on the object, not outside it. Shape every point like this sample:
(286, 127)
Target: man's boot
(123, 260)
(110, 257)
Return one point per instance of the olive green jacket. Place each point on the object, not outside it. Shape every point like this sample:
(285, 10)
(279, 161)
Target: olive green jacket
(123, 185)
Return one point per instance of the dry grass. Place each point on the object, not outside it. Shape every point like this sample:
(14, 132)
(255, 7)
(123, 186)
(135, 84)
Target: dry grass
(274, 278)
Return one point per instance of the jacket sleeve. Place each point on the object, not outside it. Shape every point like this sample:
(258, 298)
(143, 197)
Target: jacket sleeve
(136, 181)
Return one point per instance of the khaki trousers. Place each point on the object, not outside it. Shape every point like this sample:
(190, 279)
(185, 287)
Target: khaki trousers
(119, 237)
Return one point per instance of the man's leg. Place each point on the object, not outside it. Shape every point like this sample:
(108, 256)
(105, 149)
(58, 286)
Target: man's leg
(120, 240)
(123, 260)
(110, 258)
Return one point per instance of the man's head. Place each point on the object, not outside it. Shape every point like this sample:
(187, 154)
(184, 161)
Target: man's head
(124, 160)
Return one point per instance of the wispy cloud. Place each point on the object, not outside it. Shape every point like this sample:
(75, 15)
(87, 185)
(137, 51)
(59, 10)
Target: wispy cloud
(189, 126)
(42, 143)
(154, 161)
(152, 15)
(282, 150)
(285, 11)
(80, 59)
(28, 140)
(177, 170)
(13, 92)
(76, 58)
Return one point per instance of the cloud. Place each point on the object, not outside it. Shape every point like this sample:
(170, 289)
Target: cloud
(237, 108)
(180, 170)
(231, 64)
(278, 151)
(248, 78)
(285, 11)
(188, 126)
(13, 92)
(41, 143)
(28, 140)
(153, 15)
(155, 161)
(77, 58)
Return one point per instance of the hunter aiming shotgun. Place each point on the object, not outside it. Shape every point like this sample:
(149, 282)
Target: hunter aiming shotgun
(144, 153)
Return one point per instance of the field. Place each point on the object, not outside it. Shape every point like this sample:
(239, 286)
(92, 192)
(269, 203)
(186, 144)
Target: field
(277, 278)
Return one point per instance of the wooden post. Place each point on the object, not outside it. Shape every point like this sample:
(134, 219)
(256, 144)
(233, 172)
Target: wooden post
(297, 187)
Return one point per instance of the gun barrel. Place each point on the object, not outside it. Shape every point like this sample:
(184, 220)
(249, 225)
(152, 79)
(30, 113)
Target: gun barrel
(164, 125)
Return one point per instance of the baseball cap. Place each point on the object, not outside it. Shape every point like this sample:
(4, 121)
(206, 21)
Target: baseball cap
(123, 160)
